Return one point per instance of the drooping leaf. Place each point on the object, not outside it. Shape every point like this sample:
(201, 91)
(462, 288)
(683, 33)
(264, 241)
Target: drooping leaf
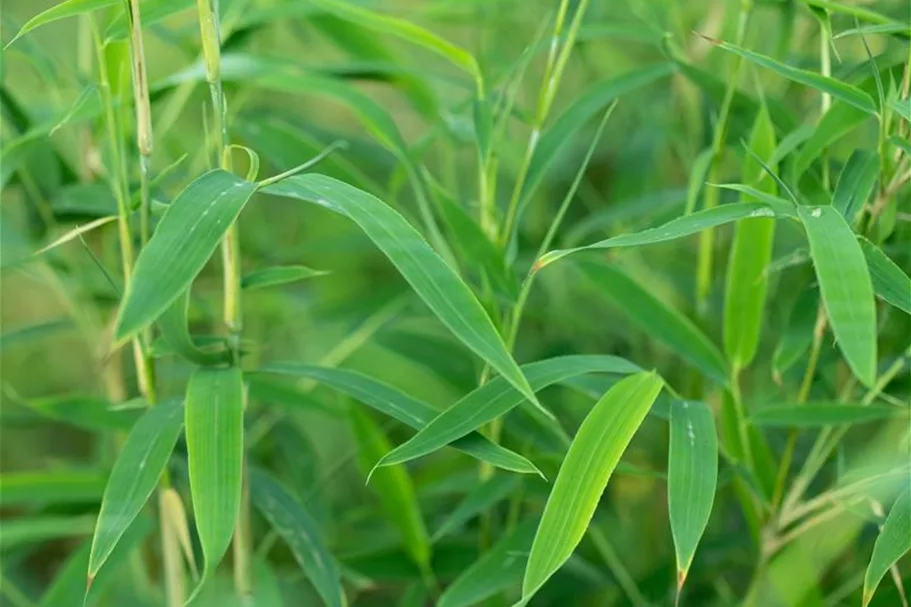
(847, 291)
(186, 237)
(61, 10)
(820, 414)
(894, 541)
(75, 233)
(142, 459)
(891, 284)
(601, 440)
(296, 526)
(394, 488)
(692, 476)
(278, 275)
(409, 411)
(481, 499)
(153, 11)
(215, 447)
(176, 332)
(434, 281)
(495, 399)
(839, 121)
(747, 283)
(855, 184)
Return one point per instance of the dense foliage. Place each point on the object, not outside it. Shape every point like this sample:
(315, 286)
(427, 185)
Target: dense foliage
(455, 302)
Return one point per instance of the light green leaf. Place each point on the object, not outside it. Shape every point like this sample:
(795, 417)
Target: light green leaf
(601, 440)
(847, 291)
(820, 414)
(797, 334)
(855, 184)
(861, 12)
(409, 411)
(76, 232)
(186, 237)
(47, 487)
(279, 275)
(135, 475)
(497, 569)
(26, 334)
(495, 399)
(882, 28)
(837, 89)
(751, 251)
(35, 529)
(481, 499)
(153, 11)
(62, 10)
(393, 485)
(692, 476)
(891, 284)
(684, 226)
(176, 332)
(434, 281)
(902, 107)
(215, 450)
(894, 541)
(840, 120)
(663, 323)
(301, 532)
(87, 412)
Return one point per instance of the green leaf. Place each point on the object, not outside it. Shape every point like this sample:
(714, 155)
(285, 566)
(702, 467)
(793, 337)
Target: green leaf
(495, 399)
(394, 487)
(62, 10)
(692, 476)
(894, 541)
(153, 11)
(186, 237)
(215, 451)
(87, 412)
(820, 414)
(601, 440)
(684, 226)
(847, 291)
(33, 332)
(140, 464)
(840, 120)
(837, 89)
(862, 13)
(497, 569)
(797, 334)
(751, 251)
(902, 107)
(409, 411)
(51, 487)
(890, 283)
(434, 281)
(175, 330)
(301, 532)
(663, 323)
(23, 531)
(855, 184)
(279, 275)
(481, 499)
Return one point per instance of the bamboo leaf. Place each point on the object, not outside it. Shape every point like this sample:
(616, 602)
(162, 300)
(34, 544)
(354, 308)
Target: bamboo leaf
(902, 107)
(683, 226)
(186, 237)
(434, 281)
(409, 411)
(481, 499)
(64, 486)
(820, 414)
(855, 184)
(797, 334)
(692, 476)
(847, 291)
(135, 474)
(301, 532)
(661, 322)
(894, 541)
(891, 284)
(36, 529)
(215, 447)
(497, 569)
(494, 400)
(279, 275)
(153, 11)
(601, 440)
(62, 10)
(751, 251)
(840, 120)
(394, 488)
(176, 332)
(837, 89)
(76, 232)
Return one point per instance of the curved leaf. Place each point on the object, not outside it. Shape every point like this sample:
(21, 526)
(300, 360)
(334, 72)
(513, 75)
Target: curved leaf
(278, 275)
(481, 499)
(855, 184)
(61, 10)
(176, 332)
(891, 284)
(894, 541)
(820, 415)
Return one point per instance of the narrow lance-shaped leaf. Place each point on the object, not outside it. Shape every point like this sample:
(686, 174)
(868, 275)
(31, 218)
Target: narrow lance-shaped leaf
(389, 401)
(751, 251)
(278, 275)
(692, 475)
(594, 453)
(894, 541)
(480, 499)
(301, 532)
(394, 488)
(821, 414)
(434, 281)
(63, 486)
(186, 237)
(495, 399)
(891, 284)
(855, 184)
(682, 226)
(215, 446)
(176, 332)
(135, 474)
(847, 291)
(62, 10)
(835, 88)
